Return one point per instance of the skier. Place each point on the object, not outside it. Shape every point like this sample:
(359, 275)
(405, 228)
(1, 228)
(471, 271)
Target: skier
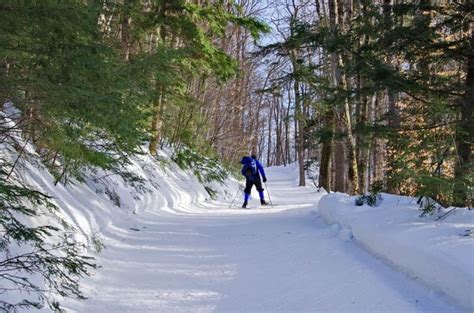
(252, 169)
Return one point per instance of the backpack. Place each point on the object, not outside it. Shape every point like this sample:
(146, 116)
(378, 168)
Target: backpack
(250, 167)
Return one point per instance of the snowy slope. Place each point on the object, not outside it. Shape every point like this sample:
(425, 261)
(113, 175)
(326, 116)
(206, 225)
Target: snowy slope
(105, 202)
(168, 248)
(436, 252)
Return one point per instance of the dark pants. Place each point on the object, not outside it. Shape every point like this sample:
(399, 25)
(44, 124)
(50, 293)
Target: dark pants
(249, 184)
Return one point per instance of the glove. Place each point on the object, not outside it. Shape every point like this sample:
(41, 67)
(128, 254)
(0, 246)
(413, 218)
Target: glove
(264, 179)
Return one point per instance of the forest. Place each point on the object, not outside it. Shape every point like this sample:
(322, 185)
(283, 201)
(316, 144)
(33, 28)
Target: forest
(365, 96)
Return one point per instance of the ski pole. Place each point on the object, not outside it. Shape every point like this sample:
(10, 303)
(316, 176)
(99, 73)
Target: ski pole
(268, 193)
(235, 196)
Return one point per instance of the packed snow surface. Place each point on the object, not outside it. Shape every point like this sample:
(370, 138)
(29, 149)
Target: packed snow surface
(173, 250)
(438, 252)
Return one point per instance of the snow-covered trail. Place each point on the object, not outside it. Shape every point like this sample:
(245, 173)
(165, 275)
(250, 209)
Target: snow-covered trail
(209, 258)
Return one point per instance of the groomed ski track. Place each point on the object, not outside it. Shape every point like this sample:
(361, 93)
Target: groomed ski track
(209, 258)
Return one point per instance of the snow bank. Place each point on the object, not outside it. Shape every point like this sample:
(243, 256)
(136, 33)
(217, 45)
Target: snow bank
(438, 253)
(105, 202)
(105, 205)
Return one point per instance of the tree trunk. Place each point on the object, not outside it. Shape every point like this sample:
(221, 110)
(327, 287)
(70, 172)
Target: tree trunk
(340, 160)
(325, 163)
(392, 146)
(125, 30)
(300, 133)
(287, 134)
(362, 145)
(299, 118)
(352, 171)
(276, 114)
(269, 144)
(463, 138)
(159, 107)
(339, 151)
(379, 146)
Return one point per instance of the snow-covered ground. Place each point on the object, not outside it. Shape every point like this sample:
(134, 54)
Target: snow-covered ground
(173, 250)
(438, 252)
(169, 248)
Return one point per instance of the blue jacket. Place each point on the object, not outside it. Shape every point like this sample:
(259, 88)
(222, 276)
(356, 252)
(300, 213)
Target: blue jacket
(251, 168)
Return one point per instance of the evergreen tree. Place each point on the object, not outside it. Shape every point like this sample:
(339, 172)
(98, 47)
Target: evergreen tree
(88, 83)
(79, 103)
(33, 255)
(398, 106)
